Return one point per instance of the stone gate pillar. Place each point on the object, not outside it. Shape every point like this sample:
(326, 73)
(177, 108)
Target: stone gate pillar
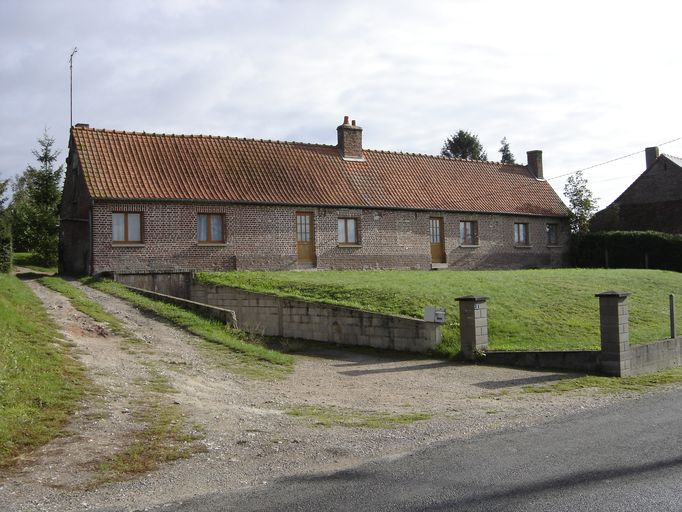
(473, 325)
(615, 333)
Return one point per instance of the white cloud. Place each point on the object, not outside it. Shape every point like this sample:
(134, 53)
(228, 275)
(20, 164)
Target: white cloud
(584, 81)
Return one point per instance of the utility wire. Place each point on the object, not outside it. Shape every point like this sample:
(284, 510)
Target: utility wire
(520, 187)
(609, 161)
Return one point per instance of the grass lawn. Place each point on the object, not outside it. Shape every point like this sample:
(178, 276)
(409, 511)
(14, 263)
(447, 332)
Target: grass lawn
(39, 383)
(553, 309)
(30, 260)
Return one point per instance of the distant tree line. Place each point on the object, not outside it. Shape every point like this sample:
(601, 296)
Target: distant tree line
(466, 145)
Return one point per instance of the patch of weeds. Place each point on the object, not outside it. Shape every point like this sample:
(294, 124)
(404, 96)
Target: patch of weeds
(333, 416)
(155, 383)
(86, 305)
(163, 438)
(246, 355)
(637, 383)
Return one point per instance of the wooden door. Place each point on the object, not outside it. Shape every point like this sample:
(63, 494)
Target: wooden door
(437, 240)
(305, 237)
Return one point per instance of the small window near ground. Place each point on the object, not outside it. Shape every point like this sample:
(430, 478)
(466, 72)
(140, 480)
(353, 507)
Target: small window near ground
(552, 234)
(468, 232)
(126, 228)
(521, 233)
(210, 228)
(348, 231)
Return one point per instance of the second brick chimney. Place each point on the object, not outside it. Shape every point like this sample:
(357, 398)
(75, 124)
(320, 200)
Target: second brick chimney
(535, 163)
(350, 140)
(651, 155)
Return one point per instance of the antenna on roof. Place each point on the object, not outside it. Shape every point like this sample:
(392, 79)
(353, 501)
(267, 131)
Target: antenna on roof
(75, 50)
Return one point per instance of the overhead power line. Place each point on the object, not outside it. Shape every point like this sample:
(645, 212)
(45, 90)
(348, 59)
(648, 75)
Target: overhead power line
(609, 161)
(521, 187)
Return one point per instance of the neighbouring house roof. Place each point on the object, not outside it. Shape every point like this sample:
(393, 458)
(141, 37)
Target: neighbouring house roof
(138, 166)
(654, 195)
(674, 159)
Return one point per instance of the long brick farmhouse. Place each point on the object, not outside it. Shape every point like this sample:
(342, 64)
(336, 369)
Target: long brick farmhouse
(137, 202)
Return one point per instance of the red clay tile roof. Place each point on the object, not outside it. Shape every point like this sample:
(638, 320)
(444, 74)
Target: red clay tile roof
(128, 165)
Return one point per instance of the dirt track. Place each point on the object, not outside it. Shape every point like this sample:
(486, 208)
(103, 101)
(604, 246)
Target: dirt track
(247, 436)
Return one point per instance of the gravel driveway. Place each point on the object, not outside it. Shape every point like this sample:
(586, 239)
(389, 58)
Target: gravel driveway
(248, 437)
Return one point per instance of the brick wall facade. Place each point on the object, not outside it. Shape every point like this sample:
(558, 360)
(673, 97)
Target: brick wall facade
(264, 238)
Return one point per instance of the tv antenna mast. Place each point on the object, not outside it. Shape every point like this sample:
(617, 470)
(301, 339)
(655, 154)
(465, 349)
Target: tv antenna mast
(75, 50)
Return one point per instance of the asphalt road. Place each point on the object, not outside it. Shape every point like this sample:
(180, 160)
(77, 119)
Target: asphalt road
(625, 457)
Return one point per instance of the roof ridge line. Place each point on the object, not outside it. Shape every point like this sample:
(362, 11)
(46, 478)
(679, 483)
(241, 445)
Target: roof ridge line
(201, 136)
(277, 141)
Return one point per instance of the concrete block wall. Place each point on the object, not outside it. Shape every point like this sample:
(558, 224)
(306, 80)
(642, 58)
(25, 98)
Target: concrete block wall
(175, 284)
(290, 318)
(655, 356)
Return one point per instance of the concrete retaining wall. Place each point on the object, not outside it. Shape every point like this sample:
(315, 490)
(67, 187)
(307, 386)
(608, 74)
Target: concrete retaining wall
(655, 356)
(291, 318)
(221, 314)
(573, 360)
(175, 284)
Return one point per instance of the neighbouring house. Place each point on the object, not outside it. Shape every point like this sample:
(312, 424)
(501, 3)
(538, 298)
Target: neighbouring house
(140, 202)
(653, 201)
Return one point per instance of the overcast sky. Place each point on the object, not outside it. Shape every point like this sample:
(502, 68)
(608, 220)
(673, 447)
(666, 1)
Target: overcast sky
(584, 81)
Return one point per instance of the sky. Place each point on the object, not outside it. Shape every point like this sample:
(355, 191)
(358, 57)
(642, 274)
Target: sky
(586, 82)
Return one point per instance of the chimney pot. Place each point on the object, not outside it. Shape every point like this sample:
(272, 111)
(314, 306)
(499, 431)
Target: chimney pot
(651, 155)
(535, 163)
(352, 122)
(349, 140)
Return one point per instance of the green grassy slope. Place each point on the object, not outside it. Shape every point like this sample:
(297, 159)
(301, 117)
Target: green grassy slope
(39, 383)
(528, 309)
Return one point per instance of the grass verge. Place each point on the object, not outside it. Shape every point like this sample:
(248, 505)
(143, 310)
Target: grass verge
(40, 384)
(550, 309)
(249, 358)
(333, 416)
(610, 384)
(30, 260)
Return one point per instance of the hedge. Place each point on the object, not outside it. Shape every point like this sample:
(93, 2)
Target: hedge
(628, 249)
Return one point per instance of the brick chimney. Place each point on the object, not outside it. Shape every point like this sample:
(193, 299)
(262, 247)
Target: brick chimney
(350, 140)
(651, 155)
(535, 163)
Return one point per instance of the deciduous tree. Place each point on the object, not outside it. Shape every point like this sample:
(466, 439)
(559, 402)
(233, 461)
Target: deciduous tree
(581, 202)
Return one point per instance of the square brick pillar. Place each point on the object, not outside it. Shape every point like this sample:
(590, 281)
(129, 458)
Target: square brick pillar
(473, 325)
(615, 333)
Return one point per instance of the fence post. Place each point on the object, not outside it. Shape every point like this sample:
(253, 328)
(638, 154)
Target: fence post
(673, 333)
(615, 334)
(473, 325)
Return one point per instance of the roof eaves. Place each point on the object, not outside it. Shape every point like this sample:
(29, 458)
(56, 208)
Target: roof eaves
(311, 205)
